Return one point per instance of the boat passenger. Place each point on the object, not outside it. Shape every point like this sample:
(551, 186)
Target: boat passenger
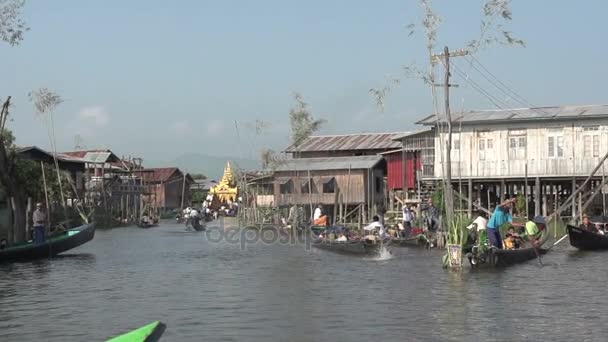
(432, 216)
(512, 239)
(409, 216)
(588, 226)
(3, 244)
(342, 238)
(479, 224)
(39, 218)
(501, 215)
(375, 226)
(318, 213)
(534, 228)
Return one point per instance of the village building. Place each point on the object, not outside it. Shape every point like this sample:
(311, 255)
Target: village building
(345, 174)
(541, 153)
(168, 188)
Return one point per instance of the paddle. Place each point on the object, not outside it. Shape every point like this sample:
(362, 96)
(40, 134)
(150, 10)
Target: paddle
(558, 241)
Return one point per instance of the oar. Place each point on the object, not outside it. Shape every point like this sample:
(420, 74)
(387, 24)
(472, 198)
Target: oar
(558, 241)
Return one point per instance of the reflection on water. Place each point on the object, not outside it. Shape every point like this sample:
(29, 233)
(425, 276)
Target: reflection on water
(127, 277)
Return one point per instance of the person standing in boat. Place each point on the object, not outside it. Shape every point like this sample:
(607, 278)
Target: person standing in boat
(39, 219)
(409, 216)
(501, 215)
(588, 226)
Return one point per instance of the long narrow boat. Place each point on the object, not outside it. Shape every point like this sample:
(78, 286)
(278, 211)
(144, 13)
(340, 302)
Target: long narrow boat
(148, 333)
(419, 240)
(585, 240)
(352, 247)
(56, 244)
(506, 257)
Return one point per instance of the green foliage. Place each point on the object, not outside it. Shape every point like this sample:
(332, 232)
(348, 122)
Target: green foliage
(303, 124)
(270, 159)
(520, 205)
(198, 196)
(198, 176)
(437, 197)
(457, 230)
(12, 26)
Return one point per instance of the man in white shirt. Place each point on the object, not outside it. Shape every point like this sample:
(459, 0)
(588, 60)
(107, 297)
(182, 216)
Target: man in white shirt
(409, 216)
(375, 225)
(480, 223)
(317, 214)
(342, 238)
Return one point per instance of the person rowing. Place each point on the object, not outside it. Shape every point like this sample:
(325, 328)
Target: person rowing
(534, 229)
(501, 215)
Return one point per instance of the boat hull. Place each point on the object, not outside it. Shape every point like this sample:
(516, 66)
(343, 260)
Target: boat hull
(584, 240)
(53, 246)
(148, 333)
(350, 247)
(416, 241)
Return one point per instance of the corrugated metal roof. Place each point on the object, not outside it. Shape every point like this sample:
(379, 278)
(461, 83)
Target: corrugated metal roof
(523, 114)
(333, 163)
(363, 141)
(411, 134)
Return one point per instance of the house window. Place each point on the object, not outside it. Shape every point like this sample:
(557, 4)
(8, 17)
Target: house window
(484, 144)
(482, 149)
(555, 146)
(307, 186)
(329, 186)
(591, 128)
(286, 187)
(517, 144)
(591, 146)
(456, 144)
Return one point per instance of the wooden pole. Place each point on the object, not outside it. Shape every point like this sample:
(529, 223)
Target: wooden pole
(470, 200)
(310, 193)
(537, 194)
(183, 190)
(347, 197)
(555, 225)
(448, 191)
(46, 196)
(526, 187)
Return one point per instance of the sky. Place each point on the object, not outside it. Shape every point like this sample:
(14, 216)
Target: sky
(157, 79)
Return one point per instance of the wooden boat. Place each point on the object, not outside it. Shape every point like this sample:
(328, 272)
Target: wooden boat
(352, 247)
(585, 240)
(148, 333)
(146, 225)
(419, 240)
(56, 244)
(495, 257)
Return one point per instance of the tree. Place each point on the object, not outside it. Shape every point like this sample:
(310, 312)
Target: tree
(12, 28)
(198, 176)
(303, 124)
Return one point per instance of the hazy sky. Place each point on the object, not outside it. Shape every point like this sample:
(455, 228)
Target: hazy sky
(161, 78)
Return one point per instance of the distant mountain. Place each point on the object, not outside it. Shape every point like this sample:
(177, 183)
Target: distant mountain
(210, 166)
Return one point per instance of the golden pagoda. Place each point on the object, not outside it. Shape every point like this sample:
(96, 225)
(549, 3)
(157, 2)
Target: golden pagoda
(226, 190)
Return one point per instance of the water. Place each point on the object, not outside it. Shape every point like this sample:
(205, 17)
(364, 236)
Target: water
(206, 291)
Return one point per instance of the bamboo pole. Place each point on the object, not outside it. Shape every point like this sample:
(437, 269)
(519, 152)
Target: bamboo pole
(347, 197)
(46, 197)
(183, 190)
(310, 192)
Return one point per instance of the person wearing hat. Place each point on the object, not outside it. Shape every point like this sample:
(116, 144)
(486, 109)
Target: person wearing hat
(587, 225)
(500, 216)
(39, 219)
(534, 228)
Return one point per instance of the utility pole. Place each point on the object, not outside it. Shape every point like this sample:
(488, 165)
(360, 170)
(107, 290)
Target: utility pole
(448, 191)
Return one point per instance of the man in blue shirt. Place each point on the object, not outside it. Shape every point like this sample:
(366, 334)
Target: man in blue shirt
(501, 215)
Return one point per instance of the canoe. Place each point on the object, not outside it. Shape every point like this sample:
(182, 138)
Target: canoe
(585, 240)
(418, 240)
(507, 257)
(148, 333)
(361, 247)
(56, 244)
(146, 225)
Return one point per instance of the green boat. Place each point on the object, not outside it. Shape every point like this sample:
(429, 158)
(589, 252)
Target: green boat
(148, 333)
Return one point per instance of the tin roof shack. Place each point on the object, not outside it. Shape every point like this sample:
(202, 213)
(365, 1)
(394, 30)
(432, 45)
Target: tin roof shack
(362, 144)
(166, 186)
(73, 165)
(543, 153)
(339, 184)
